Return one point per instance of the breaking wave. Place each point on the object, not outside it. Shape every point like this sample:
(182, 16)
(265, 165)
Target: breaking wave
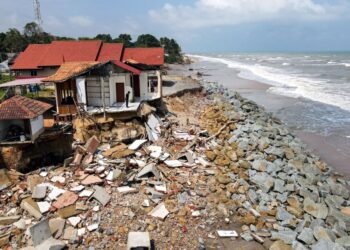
(290, 84)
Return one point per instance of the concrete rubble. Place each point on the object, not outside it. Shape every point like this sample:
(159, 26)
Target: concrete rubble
(222, 170)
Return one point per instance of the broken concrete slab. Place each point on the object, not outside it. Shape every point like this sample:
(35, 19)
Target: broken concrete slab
(86, 193)
(153, 128)
(55, 193)
(92, 144)
(66, 199)
(68, 211)
(33, 181)
(91, 180)
(8, 220)
(173, 163)
(4, 180)
(101, 195)
(44, 206)
(92, 227)
(138, 240)
(74, 221)
(57, 226)
(137, 144)
(113, 175)
(148, 171)
(70, 234)
(39, 192)
(160, 211)
(77, 188)
(126, 190)
(42, 238)
(227, 233)
(31, 207)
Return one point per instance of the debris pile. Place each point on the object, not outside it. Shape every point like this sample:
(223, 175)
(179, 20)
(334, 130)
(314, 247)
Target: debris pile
(220, 170)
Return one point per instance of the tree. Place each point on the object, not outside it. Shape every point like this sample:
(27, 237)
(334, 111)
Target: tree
(104, 37)
(125, 39)
(64, 38)
(147, 41)
(85, 38)
(34, 34)
(32, 29)
(172, 50)
(14, 41)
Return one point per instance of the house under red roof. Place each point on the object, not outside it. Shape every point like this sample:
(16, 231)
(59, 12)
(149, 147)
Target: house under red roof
(20, 107)
(148, 56)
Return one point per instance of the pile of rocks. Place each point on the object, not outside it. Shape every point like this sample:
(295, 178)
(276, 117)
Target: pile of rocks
(282, 191)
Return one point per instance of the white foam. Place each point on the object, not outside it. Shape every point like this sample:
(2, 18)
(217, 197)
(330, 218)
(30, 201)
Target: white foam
(288, 84)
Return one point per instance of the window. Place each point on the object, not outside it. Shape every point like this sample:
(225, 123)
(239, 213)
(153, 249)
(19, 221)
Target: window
(33, 73)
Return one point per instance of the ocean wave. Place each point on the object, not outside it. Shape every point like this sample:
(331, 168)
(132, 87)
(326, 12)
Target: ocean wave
(287, 84)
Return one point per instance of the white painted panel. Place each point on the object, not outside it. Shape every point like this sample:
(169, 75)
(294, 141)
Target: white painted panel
(81, 90)
(37, 125)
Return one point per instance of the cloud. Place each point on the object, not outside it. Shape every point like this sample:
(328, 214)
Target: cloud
(53, 22)
(82, 21)
(209, 13)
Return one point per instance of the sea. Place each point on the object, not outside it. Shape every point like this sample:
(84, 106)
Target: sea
(319, 83)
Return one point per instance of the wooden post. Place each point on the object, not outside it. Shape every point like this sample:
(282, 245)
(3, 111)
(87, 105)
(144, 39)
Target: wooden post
(160, 84)
(103, 96)
(57, 96)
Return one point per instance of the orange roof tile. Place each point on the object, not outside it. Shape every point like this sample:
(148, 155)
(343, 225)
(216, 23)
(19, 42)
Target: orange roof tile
(148, 56)
(20, 107)
(70, 51)
(69, 70)
(30, 58)
(110, 51)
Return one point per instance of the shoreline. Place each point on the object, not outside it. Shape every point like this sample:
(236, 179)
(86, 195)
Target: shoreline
(324, 146)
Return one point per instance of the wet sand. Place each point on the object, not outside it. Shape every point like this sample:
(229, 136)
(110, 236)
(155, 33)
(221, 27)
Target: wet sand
(334, 150)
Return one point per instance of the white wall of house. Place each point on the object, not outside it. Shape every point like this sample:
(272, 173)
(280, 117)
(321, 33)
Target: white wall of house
(145, 90)
(119, 78)
(5, 125)
(46, 71)
(94, 91)
(37, 126)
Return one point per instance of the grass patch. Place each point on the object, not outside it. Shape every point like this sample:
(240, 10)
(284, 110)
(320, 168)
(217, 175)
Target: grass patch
(6, 78)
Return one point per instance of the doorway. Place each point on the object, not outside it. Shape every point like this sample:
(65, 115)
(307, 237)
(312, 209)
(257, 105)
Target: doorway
(120, 91)
(136, 80)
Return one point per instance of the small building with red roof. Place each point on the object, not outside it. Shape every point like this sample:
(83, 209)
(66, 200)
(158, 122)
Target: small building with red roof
(21, 119)
(93, 74)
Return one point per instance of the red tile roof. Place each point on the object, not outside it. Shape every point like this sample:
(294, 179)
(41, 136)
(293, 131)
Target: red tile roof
(127, 67)
(59, 52)
(110, 51)
(30, 58)
(70, 51)
(20, 107)
(148, 56)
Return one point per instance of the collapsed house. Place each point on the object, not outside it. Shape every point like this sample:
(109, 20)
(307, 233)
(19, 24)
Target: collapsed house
(21, 120)
(102, 87)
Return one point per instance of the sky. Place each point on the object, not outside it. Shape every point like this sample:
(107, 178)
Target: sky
(198, 25)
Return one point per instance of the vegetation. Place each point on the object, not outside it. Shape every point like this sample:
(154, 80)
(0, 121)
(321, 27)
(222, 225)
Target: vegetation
(13, 41)
(6, 78)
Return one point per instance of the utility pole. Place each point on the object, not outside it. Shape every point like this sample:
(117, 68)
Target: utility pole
(37, 13)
